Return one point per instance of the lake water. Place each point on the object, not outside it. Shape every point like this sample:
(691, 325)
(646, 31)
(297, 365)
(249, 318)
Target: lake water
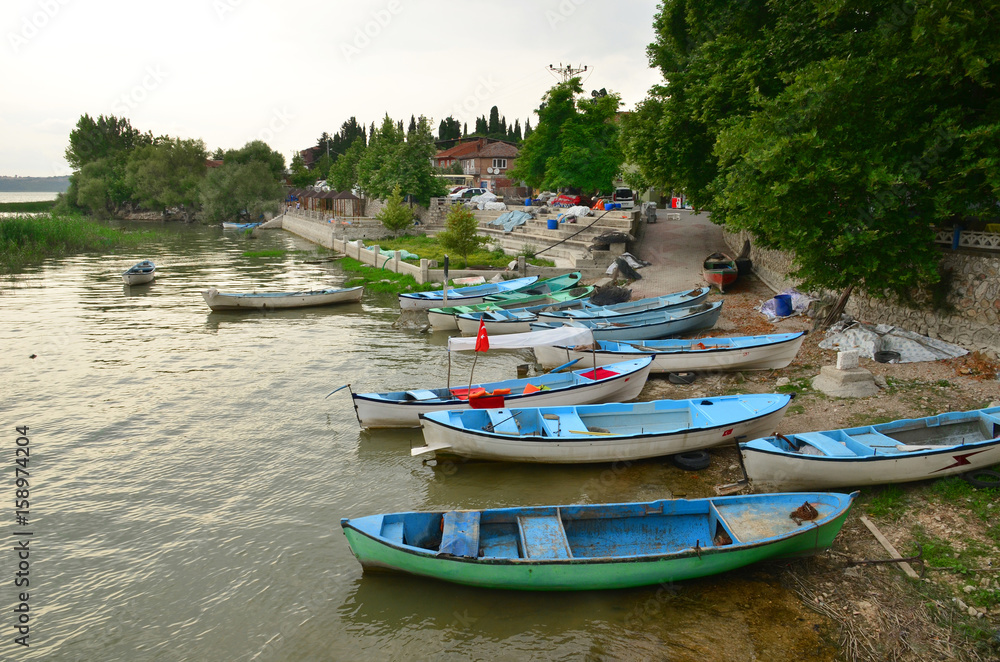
(26, 196)
(187, 480)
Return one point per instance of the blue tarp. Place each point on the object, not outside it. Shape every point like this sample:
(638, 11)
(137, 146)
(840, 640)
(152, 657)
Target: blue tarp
(510, 220)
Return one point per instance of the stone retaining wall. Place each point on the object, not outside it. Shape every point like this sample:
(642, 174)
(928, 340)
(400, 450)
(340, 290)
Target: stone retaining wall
(975, 296)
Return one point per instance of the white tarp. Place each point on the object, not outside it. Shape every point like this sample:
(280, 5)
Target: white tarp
(867, 339)
(563, 335)
(579, 210)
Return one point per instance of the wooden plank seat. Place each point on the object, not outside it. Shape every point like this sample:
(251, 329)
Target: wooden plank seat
(566, 423)
(460, 533)
(825, 444)
(543, 537)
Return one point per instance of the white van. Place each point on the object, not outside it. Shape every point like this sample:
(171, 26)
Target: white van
(623, 196)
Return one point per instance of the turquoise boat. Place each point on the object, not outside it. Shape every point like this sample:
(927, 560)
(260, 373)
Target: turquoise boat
(598, 546)
(547, 286)
(445, 318)
(462, 295)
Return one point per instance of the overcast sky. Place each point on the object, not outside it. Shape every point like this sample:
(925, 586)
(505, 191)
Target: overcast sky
(231, 71)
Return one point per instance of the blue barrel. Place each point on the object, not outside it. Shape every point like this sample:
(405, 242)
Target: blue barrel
(527, 202)
(782, 305)
(553, 223)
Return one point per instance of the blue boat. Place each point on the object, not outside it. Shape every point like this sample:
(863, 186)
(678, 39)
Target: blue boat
(646, 326)
(626, 308)
(239, 226)
(598, 546)
(461, 295)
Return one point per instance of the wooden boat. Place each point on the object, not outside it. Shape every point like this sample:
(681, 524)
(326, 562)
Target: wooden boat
(139, 273)
(646, 326)
(502, 321)
(626, 308)
(461, 295)
(445, 319)
(240, 226)
(217, 300)
(547, 286)
(897, 452)
(600, 433)
(397, 409)
(598, 546)
(720, 270)
(767, 352)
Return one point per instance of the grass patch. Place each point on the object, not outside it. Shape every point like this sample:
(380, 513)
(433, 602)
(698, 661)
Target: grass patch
(275, 252)
(939, 553)
(889, 502)
(29, 239)
(981, 501)
(795, 409)
(797, 386)
(431, 249)
(380, 280)
(34, 207)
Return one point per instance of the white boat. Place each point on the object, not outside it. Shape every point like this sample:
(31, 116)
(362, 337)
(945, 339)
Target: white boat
(461, 295)
(897, 452)
(617, 382)
(766, 352)
(600, 433)
(626, 308)
(217, 300)
(646, 326)
(446, 319)
(139, 273)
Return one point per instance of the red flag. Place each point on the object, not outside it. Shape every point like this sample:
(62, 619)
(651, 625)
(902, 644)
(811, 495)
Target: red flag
(482, 340)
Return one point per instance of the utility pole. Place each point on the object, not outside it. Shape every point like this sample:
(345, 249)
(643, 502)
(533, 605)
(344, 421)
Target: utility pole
(568, 71)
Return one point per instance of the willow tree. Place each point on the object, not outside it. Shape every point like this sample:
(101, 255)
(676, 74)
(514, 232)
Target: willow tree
(841, 133)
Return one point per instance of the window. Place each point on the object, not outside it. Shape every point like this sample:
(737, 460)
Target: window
(499, 163)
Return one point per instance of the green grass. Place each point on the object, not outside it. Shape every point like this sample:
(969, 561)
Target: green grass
(429, 248)
(380, 280)
(889, 502)
(983, 502)
(29, 239)
(37, 206)
(797, 386)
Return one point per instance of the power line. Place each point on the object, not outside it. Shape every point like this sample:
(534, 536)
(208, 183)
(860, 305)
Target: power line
(568, 71)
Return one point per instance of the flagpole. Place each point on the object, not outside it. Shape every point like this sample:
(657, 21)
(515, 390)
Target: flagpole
(482, 345)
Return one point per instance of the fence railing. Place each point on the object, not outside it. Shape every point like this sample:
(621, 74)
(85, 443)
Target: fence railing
(958, 238)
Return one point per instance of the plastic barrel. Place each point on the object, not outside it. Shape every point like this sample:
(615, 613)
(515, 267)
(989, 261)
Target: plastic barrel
(553, 223)
(782, 305)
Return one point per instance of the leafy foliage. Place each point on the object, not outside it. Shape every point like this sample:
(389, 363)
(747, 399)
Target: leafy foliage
(240, 190)
(395, 215)
(393, 159)
(166, 174)
(575, 144)
(461, 233)
(840, 133)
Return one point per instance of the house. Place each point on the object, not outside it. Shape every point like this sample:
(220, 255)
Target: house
(486, 159)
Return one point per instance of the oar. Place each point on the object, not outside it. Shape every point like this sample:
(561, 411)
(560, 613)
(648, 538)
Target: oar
(564, 365)
(337, 389)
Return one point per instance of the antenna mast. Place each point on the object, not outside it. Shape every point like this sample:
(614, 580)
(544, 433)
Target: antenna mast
(568, 71)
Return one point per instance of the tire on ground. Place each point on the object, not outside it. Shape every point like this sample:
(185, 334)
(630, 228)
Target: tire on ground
(982, 478)
(692, 460)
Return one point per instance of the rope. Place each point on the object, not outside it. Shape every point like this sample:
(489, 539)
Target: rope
(574, 234)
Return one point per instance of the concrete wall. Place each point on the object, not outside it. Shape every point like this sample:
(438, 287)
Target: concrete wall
(975, 296)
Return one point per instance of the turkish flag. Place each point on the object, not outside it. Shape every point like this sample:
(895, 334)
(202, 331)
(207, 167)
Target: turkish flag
(482, 340)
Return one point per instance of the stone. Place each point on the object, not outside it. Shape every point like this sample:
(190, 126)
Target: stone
(881, 382)
(782, 381)
(854, 383)
(847, 359)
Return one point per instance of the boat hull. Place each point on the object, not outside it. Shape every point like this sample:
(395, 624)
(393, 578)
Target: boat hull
(375, 412)
(462, 296)
(273, 301)
(621, 438)
(655, 325)
(721, 278)
(769, 468)
(774, 352)
(140, 273)
(446, 318)
(621, 311)
(607, 546)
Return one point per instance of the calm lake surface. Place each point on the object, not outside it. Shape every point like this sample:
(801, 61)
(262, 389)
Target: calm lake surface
(187, 480)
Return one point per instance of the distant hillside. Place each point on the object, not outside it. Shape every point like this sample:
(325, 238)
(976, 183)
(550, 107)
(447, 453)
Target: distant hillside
(34, 184)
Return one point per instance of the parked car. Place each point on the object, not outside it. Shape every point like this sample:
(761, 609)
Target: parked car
(623, 196)
(466, 193)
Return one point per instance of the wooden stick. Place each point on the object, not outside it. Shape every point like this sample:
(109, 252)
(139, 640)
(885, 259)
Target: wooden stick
(907, 568)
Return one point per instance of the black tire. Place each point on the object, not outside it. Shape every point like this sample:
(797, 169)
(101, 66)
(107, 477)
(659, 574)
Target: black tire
(983, 478)
(692, 460)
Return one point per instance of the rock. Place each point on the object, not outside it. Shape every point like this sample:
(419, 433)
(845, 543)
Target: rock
(782, 381)
(881, 382)
(973, 611)
(968, 589)
(961, 605)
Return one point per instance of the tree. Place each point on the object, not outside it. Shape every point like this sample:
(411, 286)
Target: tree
(461, 233)
(98, 151)
(495, 128)
(527, 128)
(301, 175)
(167, 174)
(105, 137)
(343, 175)
(575, 144)
(395, 215)
(391, 160)
(240, 191)
(482, 127)
(449, 129)
(841, 135)
(258, 150)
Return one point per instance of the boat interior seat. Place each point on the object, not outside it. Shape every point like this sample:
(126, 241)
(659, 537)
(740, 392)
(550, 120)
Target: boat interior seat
(503, 421)
(565, 424)
(878, 442)
(460, 533)
(826, 444)
(393, 531)
(543, 537)
(422, 394)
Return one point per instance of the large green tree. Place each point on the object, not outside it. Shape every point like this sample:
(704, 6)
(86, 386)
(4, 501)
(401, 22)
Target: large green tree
(449, 128)
(842, 133)
(239, 191)
(167, 174)
(575, 144)
(98, 152)
(343, 175)
(394, 159)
